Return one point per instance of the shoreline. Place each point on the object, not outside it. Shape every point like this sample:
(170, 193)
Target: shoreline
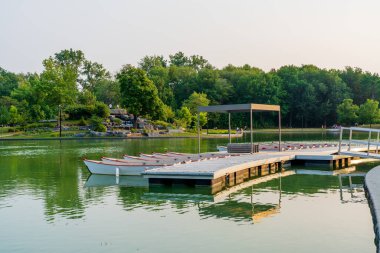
(180, 135)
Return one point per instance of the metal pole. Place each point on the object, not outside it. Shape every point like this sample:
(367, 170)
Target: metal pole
(340, 139)
(199, 137)
(251, 130)
(60, 122)
(279, 131)
(369, 142)
(377, 143)
(229, 127)
(349, 143)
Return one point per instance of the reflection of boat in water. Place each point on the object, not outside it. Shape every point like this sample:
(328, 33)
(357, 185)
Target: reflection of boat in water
(221, 148)
(108, 180)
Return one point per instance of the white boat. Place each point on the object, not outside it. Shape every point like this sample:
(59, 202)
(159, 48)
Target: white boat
(194, 156)
(138, 159)
(117, 168)
(221, 148)
(142, 162)
(152, 160)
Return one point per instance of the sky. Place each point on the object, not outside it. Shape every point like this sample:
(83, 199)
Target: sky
(266, 34)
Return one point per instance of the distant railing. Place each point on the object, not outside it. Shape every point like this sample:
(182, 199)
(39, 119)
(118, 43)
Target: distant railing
(352, 141)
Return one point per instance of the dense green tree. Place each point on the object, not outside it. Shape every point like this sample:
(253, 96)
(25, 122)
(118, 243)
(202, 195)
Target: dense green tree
(195, 100)
(309, 96)
(8, 82)
(5, 117)
(160, 77)
(108, 91)
(179, 59)
(139, 95)
(58, 83)
(149, 62)
(91, 74)
(369, 112)
(15, 117)
(184, 117)
(182, 80)
(167, 113)
(347, 112)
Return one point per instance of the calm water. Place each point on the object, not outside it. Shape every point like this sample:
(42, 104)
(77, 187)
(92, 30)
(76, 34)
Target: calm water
(48, 203)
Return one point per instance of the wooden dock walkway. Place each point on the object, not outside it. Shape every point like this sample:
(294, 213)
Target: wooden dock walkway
(226, 172)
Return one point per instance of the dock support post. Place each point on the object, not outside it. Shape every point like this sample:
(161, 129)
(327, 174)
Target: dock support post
(229, 127)
(369, 142)
(340, 140)
(349, 143)
(199, 137)
(279, 131)
(250, 111)
(377, 143)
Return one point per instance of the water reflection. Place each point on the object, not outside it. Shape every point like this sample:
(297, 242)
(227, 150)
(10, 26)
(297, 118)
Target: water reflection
(60, 199)
(353, 184)
(108, 180)
(251, 201)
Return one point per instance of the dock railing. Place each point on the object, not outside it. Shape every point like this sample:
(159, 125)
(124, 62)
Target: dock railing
(368, 143)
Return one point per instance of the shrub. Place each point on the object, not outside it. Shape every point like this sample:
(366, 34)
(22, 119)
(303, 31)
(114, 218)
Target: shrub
(101, 110)
(79, 111)
(117, 121)
(97, 124)
(82, 122)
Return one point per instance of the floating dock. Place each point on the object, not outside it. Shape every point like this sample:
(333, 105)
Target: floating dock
(222, 173)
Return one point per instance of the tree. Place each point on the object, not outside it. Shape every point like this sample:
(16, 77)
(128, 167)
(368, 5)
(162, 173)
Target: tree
(160, 77)
(8, 82)
(149, 62)
(184, 117)
(15, 117)
(108, 91)
(198, 62)
(195, 100)
(369, 112)
(88, 74)
(347, 112)
(139, 95)
(179, 59)
(167, 113)
(91, 74)
(5, 117)
(58, 83)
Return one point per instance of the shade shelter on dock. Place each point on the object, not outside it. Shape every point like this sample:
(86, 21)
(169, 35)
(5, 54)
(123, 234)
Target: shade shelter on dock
(234, 108)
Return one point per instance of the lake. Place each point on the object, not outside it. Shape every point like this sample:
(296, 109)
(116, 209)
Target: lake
(49, 203)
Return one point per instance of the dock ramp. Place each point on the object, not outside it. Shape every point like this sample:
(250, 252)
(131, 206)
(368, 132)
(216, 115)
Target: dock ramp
(368, 148)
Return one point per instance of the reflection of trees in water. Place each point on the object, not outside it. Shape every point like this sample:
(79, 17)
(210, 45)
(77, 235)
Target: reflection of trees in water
(57, 178)
(133, 198)
(298, 184)
(50, 179)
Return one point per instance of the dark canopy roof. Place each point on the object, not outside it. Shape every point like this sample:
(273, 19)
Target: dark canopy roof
(239, 108)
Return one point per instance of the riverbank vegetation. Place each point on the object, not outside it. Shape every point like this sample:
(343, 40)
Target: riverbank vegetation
(168, 90)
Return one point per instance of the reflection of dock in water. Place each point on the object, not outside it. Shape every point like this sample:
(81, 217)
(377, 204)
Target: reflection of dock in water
(353, 188)
(237, 203)
(109, 180)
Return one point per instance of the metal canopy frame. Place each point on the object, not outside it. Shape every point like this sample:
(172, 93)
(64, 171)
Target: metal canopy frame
(234, 108)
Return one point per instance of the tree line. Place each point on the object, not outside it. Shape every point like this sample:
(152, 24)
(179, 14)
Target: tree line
(170, 89)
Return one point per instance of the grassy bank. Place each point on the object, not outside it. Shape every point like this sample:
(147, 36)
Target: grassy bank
(219, 133)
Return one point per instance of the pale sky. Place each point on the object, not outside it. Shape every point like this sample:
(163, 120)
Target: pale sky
(266, 33)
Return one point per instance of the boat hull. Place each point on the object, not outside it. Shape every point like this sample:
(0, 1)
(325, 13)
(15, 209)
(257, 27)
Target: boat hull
(101, 168)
